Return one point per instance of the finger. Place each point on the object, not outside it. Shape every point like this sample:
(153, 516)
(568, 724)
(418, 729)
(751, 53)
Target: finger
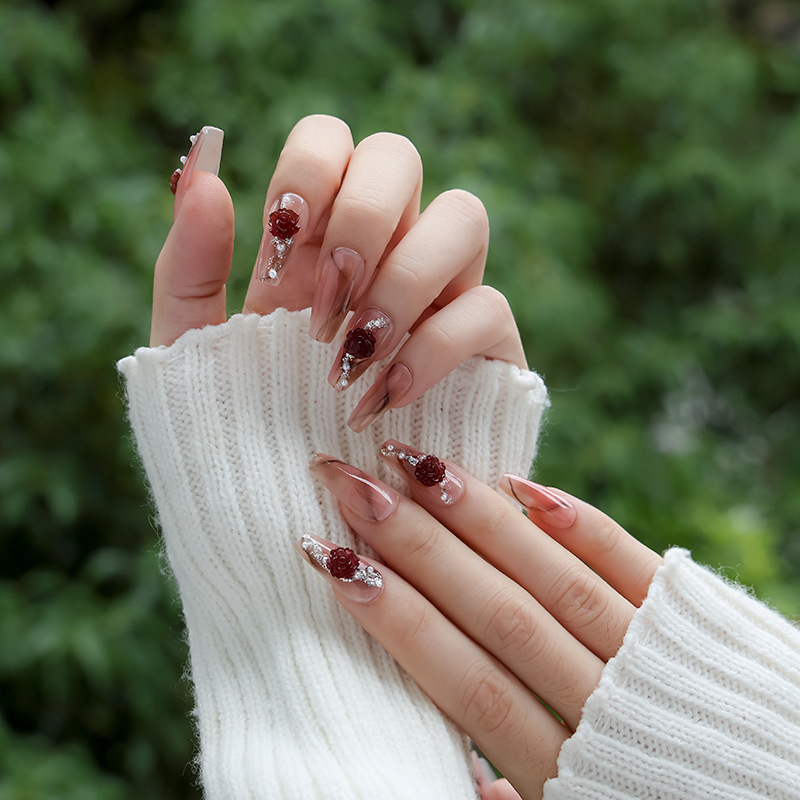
(442, 256)
(581, 601)
(486, 605)
(620, 559)
(469, 685)
(306, 179)
(477, 322)
(190, 273)
(376, 205)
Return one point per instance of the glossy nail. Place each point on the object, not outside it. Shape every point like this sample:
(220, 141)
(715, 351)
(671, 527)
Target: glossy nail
(362, 494)
(287, 217)
(426, 470)
(353, 576)
(540, 502)
(339, 282)
(364, 339)
(204, 155)
(389, 388)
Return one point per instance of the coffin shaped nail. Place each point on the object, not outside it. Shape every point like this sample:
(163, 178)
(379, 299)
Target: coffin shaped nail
(204, 155)
(425, 469)
(355, 578)
(364, 339)
(339, 282)
(540, 502)
(287, 218)
(361, 493)
(389, 387)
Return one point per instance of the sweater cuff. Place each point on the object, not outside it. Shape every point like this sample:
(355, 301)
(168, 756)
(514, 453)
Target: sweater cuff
(701, 701)
(293, 699)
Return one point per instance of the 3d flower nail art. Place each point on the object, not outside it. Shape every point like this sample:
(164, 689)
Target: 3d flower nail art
(341, 563)
(360, 345)
(288, 216)
(427, 470)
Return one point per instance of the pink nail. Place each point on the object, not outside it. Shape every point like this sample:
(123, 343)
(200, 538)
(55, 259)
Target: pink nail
(204, 156)
(389, 388)
(339, 283)
(540, 502)
(287, 217)
(364, 341)
(353, 576)
(361, 493)
(426, 470)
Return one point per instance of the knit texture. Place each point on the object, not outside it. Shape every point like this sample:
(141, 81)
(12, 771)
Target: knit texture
(292, 698)
(701, 702)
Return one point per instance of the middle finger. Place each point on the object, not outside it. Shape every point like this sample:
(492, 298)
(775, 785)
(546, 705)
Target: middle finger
(484, 603)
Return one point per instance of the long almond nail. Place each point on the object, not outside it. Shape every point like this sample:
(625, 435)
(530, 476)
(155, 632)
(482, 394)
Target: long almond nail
(203, 156)
(363, 341)
(362, 494)
(339, 282)
(389, 388)
(426, 470)
(287, 217)
(540, 502)
(353, 576)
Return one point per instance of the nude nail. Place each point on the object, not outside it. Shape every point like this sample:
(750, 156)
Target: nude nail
(539, 501)
(287, 218)
(339, 282)
(362, 494)
(204, 155)
(363, 343)
(353, 576)
(425, 470)
(389, 388)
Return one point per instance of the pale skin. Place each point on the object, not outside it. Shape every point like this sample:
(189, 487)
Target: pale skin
(525, 608)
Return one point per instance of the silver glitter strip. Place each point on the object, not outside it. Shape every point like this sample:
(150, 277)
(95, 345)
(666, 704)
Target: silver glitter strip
(277, 261)
(406, 455)
(364, 574)
(348, 361)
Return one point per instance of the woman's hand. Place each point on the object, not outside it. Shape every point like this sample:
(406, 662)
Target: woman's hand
(485, 608)
(343, 232)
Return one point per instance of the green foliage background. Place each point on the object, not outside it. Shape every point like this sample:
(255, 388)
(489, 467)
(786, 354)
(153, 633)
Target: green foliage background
(639, 164)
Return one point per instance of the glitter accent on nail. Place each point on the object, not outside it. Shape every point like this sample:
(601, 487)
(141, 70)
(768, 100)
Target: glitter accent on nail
(282, 226)
(357, 348)
(426, 468)
(364, 573)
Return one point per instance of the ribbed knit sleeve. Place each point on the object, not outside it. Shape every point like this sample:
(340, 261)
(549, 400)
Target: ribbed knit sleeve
(701, 702)
(292, 698)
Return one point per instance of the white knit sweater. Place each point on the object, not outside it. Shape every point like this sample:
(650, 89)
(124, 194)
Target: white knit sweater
(293, 700)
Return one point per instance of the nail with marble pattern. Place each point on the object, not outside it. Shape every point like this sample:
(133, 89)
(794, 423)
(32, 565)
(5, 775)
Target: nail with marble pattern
(541, 503)
(339, 284)
(389, 388)
(364, 495)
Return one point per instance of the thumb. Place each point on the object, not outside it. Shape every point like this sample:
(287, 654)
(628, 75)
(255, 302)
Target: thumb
(191, 270)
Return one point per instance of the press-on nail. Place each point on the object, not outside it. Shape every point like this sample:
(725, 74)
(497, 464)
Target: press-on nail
(539, 501)
(204, 155)
(361, 493)
(353, 576)
(427, 470)
(287, 218)
(364, 339)
(339, 281)
(389, 387)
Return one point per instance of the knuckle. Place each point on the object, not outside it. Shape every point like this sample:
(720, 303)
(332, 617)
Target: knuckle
(511, 627)
(579, 599)
(468, 208)
(408, 273)
(606, 536)
(363, 210)
(486, 698)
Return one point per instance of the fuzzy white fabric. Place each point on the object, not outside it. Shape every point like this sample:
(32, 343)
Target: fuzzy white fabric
(293, 699)
(702, 702)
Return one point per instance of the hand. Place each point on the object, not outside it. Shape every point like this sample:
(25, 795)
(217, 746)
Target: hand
(487, 609)
(343, 232)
